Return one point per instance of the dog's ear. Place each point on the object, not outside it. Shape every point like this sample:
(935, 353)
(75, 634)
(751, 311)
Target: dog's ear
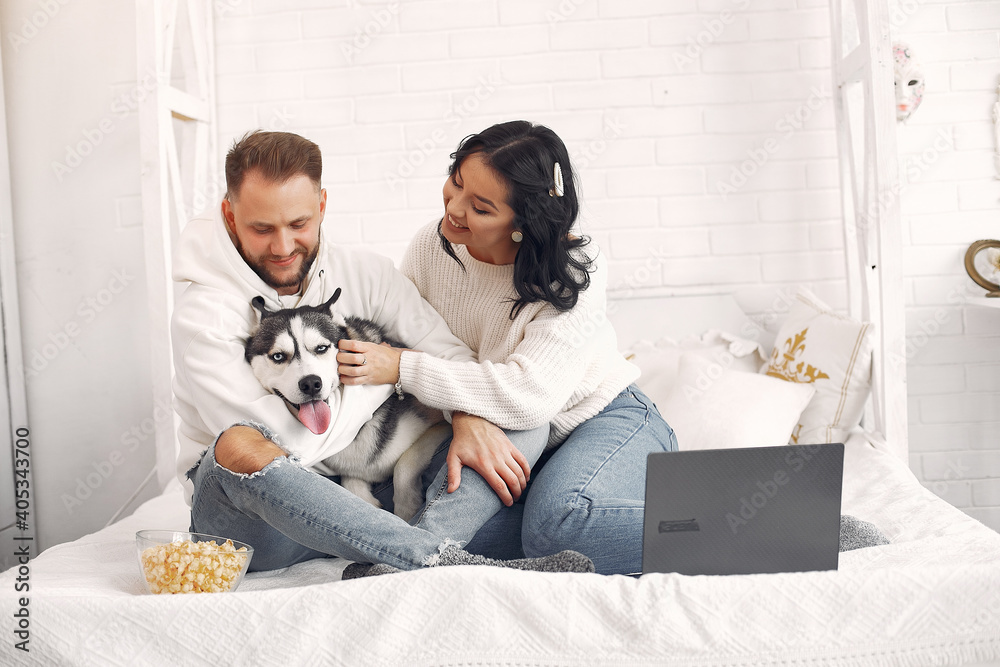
(259, 310)
(328, 306)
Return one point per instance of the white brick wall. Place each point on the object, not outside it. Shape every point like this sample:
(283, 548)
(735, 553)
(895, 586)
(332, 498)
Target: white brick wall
(952, 199)
(700, 128)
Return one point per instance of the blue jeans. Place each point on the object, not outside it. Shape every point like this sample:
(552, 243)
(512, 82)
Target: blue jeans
(289, 513)
(589, 494)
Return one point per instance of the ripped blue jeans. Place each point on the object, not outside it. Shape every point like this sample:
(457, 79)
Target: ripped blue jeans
(290, 514)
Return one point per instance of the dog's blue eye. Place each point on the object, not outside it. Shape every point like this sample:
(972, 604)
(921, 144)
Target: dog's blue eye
(278, 357)
(322, 348)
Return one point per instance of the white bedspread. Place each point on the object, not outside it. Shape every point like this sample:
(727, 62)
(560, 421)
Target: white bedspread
(931, 597)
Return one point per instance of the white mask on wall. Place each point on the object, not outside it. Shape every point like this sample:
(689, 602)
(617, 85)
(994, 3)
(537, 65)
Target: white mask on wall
(909, 81)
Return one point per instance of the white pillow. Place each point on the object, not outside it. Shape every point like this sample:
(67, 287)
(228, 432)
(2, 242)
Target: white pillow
(660, 361)
(832, 353)
(712, 407)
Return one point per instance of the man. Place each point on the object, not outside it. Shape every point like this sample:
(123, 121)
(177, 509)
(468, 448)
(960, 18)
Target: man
(249, 467)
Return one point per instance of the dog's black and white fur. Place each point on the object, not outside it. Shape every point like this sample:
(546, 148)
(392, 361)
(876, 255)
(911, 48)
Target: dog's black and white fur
(293, 353)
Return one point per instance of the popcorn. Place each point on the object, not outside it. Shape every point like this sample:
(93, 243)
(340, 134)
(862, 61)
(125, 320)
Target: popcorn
(193, 567)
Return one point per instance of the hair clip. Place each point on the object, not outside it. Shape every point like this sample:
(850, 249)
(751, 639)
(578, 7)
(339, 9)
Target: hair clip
(559, 189)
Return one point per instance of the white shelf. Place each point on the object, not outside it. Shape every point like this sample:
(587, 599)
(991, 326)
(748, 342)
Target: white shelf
(989, 302)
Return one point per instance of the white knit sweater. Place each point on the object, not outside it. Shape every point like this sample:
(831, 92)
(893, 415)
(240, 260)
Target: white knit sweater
(542, 366)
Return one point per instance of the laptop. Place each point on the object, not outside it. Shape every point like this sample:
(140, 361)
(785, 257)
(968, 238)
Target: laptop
(743, 511)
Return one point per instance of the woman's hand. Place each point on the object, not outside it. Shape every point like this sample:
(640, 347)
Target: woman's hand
(367, 363)
(485, 448)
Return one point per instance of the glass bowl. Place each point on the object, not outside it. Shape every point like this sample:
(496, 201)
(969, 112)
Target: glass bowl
(173, 561)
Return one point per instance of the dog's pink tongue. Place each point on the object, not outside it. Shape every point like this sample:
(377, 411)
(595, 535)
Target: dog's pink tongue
(315, 416)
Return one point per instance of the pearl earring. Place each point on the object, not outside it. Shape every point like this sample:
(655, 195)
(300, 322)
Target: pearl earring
(516, 236)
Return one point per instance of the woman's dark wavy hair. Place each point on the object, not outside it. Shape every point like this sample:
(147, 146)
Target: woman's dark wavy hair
(524, 155)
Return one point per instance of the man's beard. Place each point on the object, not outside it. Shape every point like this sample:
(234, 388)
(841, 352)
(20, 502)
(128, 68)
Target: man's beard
(259, 267)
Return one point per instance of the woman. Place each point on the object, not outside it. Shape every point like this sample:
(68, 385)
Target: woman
(511, 280)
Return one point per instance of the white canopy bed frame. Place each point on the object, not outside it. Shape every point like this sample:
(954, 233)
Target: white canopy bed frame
(864, 101)
(930, 597)
(177, 172)
(179, 157)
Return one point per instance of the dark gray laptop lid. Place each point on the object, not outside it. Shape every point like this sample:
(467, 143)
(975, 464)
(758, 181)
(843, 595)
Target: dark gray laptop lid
(743, 511)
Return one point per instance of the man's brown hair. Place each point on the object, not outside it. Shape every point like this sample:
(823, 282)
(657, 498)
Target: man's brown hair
(278, 156)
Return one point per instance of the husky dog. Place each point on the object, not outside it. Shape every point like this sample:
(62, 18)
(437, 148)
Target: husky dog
(293, 353)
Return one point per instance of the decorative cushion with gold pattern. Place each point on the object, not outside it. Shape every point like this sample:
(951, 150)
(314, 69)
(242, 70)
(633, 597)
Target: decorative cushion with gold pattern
(834, 354)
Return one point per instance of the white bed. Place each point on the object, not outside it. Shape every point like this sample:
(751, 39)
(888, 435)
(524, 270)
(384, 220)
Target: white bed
(931, 597)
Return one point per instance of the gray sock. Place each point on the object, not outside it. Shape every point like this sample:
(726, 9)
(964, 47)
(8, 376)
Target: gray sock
(564, 561)
(356, 570)
(857, 534)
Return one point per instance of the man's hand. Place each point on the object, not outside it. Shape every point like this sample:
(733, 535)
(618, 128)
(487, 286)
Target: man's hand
(485, 448)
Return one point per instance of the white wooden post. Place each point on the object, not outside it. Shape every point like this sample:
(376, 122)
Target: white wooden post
(170, 186)
(870, 193)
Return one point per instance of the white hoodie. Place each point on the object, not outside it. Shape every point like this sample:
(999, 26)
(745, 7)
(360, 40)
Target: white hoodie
(214, 387)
